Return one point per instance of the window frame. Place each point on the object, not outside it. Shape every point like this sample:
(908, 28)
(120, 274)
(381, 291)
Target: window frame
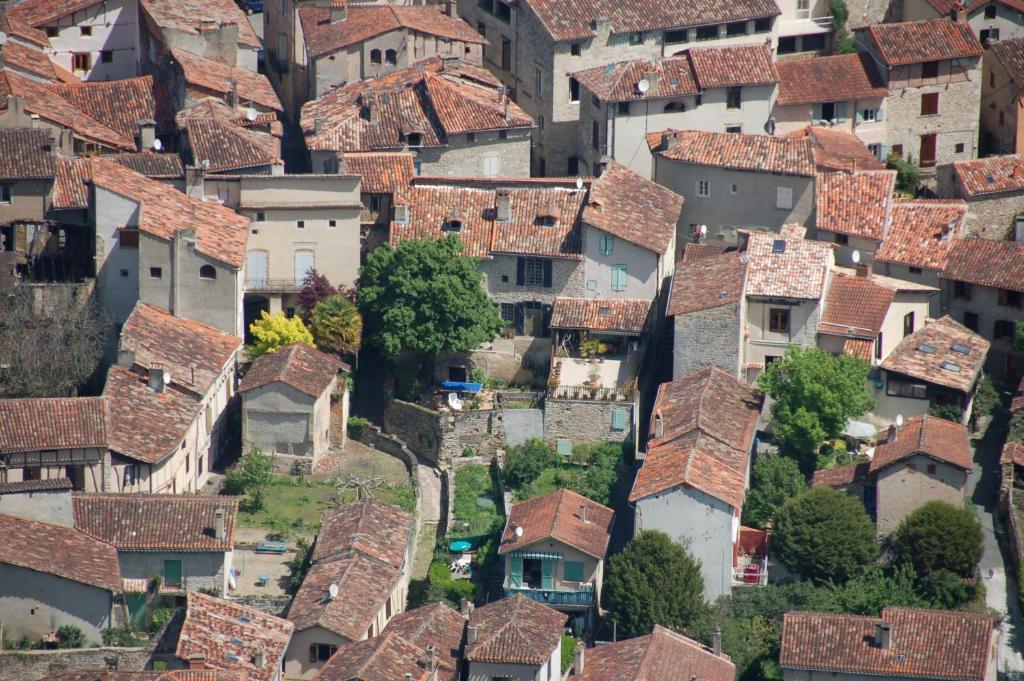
(778, 320)
(734, 97)
(620, 277)
(606, 244)
(83, 57)
(6, 194)
(703, 189)
(929, 104)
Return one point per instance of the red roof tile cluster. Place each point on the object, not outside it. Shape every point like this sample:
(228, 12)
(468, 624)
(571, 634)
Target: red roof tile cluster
(1010, 53)
(121, 104)
(633, 208)
(383, 172)
(662, 655)
(144, 425)
(564, 516)
(702, 283)
(708, 420)
(515, 630)
(433, 98)
(30, 486)
(172, 675)
(18, 29)
(621, 316)
(33, 424)
(718, 67)
(929, 435)
(230, 147)
(434, 625)
(992, 175)
(364, 22)
(855, 306)
(70, 187)
(839, 78)
(911, 42)
(59, 550)
(921, 233)
(841, 476)
(156, 522)
(216, 77)
(781, 266)
(232, 636)
(369, 527)
(40, 12)
(1013, 452)
(193, 353)
(221, 233)
(154, 165)
(388, 656)
(31, 60)
(936, 353)
(189, 16)
(933, 644)
(307, 370)
(26, 153)
(857, 204)
(837, 149)
(756, 153)
(998, 264)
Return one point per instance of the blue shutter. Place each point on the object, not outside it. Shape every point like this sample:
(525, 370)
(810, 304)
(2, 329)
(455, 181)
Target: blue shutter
(547, 574)
(516, 578)
(618, 419)
(618, 277)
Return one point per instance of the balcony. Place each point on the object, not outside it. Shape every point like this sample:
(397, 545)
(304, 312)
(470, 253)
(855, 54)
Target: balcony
(557, 598)
(283, 285)
(606, 378)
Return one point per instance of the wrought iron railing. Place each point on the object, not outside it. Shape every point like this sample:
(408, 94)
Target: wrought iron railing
(553, 597)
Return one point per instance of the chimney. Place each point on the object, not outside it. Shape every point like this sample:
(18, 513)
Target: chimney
(408, 676)
(125, 357)
(471, 634)
(466, 608)
(339, 11)
(219, 530)
(659, 426)
(147, 133)
(671, 141)
(194, 180)
(504, 207)
(883, 635)
(430, 658)
(260, 658)
(653, 79)
(863, 270)
(197, 661)
(578, 656)
(716, 641)
(583, 514)
(158, 378)
(233, 94)
(1018, 172)
(3, 44)
(960, 12)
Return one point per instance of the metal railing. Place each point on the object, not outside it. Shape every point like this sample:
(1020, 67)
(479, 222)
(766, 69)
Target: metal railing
(554, 597)
(284, 284)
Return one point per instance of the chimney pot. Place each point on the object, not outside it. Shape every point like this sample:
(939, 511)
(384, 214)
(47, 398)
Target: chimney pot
(158, 378)
(659, 426)
(260, 658)
(219, 529)
(471, 634)
(583, 514)
(504, 207)
(578, 659)
(233, 94)
(716, 641)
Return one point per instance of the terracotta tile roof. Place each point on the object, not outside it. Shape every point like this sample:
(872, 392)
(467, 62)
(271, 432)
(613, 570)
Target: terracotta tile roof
(387, 656)
(383, 172)
(616, 82)
(216, 77)
(121, 104)
(433, 625)
(1013, 452)
(705, 249)
(559, 515)
(892, 283)
(929, 435)
(33, 61)
(922, 233)
(156, 522)
(702, 283)
(187, 16)
(19, 29)
(434, 202)
(837, 149)
(946, 7)
(787, 267)
(145, 425)
(40, 12)
(857, 204)
(229, 635)
(172, 675)
(570, 20)
(945, 366)
(307, 370)
(910, 42)
(633, 208)
(47, 548)
(625, 316)
(193, 353)
(839, 78)
(370, 527)
(52, 423)
(220, 232)
(213, 108)
(999, 264)
(933, 644)
(716, 67)
(992, 175)
(708, 419)
(229, 147)
(855, 306)
(1010, 53)
(757, 153)
(662, 655)
(515, 630)
(154, 165)
(430, 98)
(841, 476)
(858, 347)
(364, 584)
(26, 153)
(29, 486)
(70, 188)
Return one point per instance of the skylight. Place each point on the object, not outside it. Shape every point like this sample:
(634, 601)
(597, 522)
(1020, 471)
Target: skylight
(779, 246)
(949, 366)
(961, 348)
(604, 311)
(928, 349)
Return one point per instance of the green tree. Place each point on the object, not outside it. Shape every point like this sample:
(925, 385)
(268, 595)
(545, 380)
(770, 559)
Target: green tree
(938, 536)
(814, 395)
(525, 462)
(315, 287)
(598, 478)
(70, 636)
(337, 325)
(250, 476)
(840, 13)
(275, 331)
(749, 641)
(425, 296)
(907, 174)
(875, 588)
(652, 581)
(945, 589)
(824, 535)
(776, 479)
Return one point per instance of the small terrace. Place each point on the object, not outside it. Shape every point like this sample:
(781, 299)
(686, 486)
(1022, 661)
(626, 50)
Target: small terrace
(750, 558)
(607, 377)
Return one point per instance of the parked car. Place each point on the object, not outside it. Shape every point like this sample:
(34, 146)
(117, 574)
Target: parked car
(251, 6)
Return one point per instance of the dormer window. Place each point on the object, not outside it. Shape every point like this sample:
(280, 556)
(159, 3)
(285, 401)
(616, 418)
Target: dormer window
(547, 220)
(414, 139)
(402, 215)
(452, 227)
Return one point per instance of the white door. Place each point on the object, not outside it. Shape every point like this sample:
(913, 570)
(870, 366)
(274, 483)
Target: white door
(255, 267)
(304, 262)
(492, 165)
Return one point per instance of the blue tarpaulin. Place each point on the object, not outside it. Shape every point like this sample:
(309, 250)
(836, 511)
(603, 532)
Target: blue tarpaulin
(462, 386)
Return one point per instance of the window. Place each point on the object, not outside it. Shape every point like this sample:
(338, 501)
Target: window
(1003, 329)
(502, 11)
(931, 469)
(123, 273)
(778, 320)
(636, 38)
(930, 104)
(81, 61)
(908, 324)
(763, 26)
(704, 189)
(261, 217)
(1008, 298)
(575, 49)
(898, 386)
(85, 30)
(787, 45)
(172, 573)
(574, 90)
(734, 189)
(878, 347)
(842, 239)
(106, 56)
(737, 28)
(930, 69)
(595, 135)
(129, 475)
(679, 36)
(207, 272)
(452, 226)
(961, 289)
(707, 33)
(538, 84)
(300, 224)
(915, 270)
(971, 320)
(868, 115)
(623, 108)
(607, 244)
(375, 203)
(989, 35)
(675, 106)
(618, 278)
(618, 420)
(508, 312)
(331, 224)
(321, 652)
(734, 129)
(375, 57)
(573, 165)
(506, 54)
(803, 9)
(481, 28)
(304, 262)
(5, 193)
(52, 31)
(540, 122)
(533, 272)
(156, 273)
(391, 57)
(470, 138)
(897, 149)
(784, 198)
(733, 97)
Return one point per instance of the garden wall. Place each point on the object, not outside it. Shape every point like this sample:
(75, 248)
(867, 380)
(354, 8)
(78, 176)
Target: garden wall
(587, 421)
(441, 437)
(39, 665)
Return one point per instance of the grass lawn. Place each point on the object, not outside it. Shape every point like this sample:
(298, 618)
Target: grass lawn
(476, 496)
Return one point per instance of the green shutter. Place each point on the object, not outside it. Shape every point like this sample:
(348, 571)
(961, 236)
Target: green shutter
(607, 244)
(516, 579)
(816, 112)
(172, 572)
(572, 571)
(618, 277)
(879, 114)
(859, 115)
(547, 574)
(840, 111)
(618, 419)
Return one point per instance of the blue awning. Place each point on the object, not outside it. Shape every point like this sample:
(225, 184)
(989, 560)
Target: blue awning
(539, 555)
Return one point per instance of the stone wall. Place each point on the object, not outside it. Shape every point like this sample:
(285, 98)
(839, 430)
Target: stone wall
(418, 427)
(707, 338)
(41, 665)
(269, 604)
(586, 421)
(992, 217)
(441, 436)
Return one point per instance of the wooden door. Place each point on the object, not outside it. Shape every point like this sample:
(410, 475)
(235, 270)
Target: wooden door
(928, 150)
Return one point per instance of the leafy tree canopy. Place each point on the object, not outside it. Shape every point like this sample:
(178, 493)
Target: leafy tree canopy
(336, 325)
(938, 536)
(425, 296)
(653, 581)
(250, 476)
(776, 479)
(315, 287)
(275, 331)
(524, 463)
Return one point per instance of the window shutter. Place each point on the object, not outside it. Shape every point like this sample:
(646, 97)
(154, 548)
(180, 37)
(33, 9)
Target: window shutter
(547, 273)
(879, 114)
(859, 116)
(572, 571)
(516, 580)
(841, 111)
(312, 653)
(618, 419)
(520, 319)
(520, 271)
(816, 112)
(547, 574)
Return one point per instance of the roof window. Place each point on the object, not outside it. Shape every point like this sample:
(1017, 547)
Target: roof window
(779, 246)
(961, 348)
(603, 311)
(949, 366)
(927, 349)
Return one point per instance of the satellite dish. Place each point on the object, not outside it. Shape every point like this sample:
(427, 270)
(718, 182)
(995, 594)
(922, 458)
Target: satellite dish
(167, 378)
(855, 257)
(899, 419)
(158, 145)
(579, 183)
(251, 114)
(643, 86)
(333, 590)
(703, 231)
(206, 163)
(519, 532)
